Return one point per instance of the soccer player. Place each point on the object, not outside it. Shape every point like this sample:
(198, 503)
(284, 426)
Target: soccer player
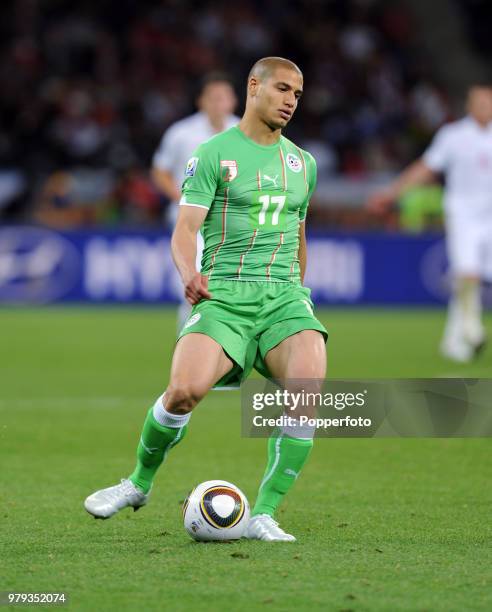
(216, 102)
(462, 151)
(249, 188)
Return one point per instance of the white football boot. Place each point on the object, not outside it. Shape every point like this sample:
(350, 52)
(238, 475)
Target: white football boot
(479, 346)
(458, 351)
(104, 503)
(264, 527)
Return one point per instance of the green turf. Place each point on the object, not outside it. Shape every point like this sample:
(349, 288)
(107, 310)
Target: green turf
(383, 524)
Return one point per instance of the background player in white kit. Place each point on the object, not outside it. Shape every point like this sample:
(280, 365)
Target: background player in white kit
(462, 151)
(216, 103)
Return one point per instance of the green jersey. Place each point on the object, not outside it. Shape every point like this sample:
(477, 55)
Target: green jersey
(256, 198)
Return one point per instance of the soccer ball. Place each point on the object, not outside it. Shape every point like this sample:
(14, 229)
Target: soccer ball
(216, 510)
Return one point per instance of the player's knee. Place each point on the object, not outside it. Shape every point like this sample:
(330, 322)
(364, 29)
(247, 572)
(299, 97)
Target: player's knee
(183, 397)
(308, 357)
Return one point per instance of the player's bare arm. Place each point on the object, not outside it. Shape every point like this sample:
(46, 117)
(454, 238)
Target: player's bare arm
(183, 248)
(417, 173)
(165, 183)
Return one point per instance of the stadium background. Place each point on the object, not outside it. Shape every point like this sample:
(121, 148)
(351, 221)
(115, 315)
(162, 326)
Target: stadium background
(87, 90)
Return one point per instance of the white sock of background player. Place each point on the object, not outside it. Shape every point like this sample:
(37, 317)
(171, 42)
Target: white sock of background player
(470, 307)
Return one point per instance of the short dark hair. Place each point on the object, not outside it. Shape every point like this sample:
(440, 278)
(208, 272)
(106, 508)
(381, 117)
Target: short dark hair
(264, 67)
(211, 78)
(485, 82)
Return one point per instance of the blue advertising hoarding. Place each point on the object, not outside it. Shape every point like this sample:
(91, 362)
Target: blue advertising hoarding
(41, 266)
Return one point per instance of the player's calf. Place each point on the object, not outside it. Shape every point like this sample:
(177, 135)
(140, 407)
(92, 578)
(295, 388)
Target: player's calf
(161, 431)
(181, 398)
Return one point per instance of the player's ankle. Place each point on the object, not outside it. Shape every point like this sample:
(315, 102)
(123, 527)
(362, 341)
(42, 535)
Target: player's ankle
(142, 487)
(262, 512)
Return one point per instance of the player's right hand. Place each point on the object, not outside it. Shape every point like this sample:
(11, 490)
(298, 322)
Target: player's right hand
(380, 201)
(196, 289)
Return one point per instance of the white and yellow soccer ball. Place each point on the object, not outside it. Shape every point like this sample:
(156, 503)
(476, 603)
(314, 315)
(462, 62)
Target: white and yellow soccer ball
(216, 510)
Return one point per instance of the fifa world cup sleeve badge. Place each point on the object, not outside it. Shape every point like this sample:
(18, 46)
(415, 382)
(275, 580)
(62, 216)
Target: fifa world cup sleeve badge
(191, 166)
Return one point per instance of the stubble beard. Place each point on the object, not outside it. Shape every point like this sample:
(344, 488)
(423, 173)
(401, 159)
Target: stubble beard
(274, 126)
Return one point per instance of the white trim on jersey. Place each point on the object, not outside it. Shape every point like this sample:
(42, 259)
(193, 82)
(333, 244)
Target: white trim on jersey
(181, 203)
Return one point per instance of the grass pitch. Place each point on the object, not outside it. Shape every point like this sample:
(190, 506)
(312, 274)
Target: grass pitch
(383, 524)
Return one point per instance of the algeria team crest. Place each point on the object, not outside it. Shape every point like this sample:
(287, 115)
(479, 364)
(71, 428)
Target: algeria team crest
(228, 169)
(294, 162)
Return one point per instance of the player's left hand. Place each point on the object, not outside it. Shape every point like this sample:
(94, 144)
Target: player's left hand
(380, 201)
(197, 289)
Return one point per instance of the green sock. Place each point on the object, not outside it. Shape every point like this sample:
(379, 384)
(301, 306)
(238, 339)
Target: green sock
(155, 442)
(286, 457)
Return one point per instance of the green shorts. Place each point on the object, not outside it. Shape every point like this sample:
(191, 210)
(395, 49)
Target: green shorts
(249, 318)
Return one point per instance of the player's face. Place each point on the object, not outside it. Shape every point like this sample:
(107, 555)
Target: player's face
(217, 100)
(276, 97)
(480, 104)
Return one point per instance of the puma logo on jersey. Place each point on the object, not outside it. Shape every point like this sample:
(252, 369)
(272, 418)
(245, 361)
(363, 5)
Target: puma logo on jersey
(272, 180)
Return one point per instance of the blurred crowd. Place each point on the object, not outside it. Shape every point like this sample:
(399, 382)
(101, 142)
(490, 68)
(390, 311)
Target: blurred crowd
(88, 88)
